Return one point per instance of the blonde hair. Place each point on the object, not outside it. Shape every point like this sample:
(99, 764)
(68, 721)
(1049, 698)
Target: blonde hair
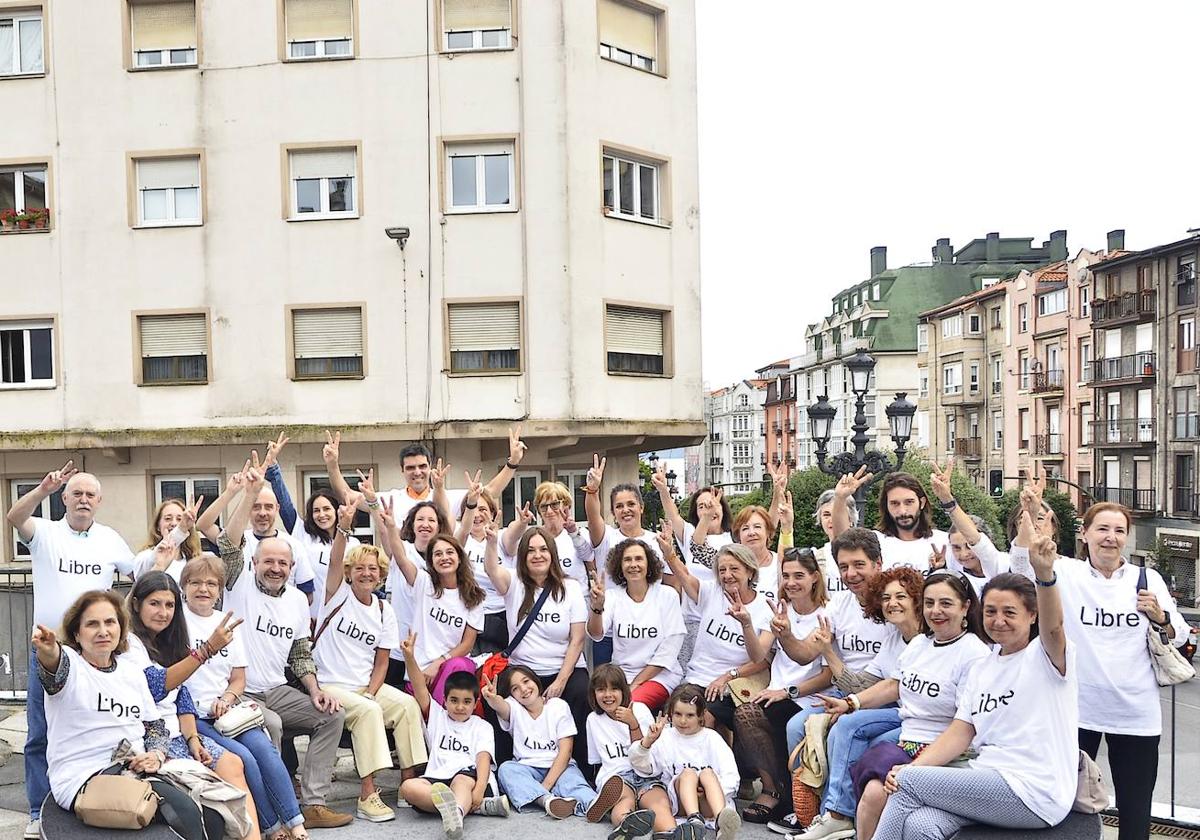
(205, 561)
(551, 491)
(360, 552)
(741, 554)
(190, 547)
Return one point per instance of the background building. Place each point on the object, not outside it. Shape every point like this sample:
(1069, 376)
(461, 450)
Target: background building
(214, 265)
(735, 450)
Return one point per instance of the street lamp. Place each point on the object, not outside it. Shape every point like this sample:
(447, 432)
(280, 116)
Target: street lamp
(671, 476)
(821, 413)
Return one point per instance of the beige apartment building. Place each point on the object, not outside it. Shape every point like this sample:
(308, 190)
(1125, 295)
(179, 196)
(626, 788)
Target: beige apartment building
(407, 221)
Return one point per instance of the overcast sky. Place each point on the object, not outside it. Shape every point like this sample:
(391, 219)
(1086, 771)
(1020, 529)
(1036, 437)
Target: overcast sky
(827, 128)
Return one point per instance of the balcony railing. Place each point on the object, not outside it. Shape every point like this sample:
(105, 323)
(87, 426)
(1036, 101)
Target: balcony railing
(778, 429)
(762, 458)
(1186, 501)
(715, 437)
(791, 428)
(968, 447)
(1186, 427)
(1046, 381)
(741, 433)
(997, 387)
(1131, 306)
(791, 460)
(1133, 366)
(1132, 497)
(716, 462)
(1048, 444)
(1132, 432)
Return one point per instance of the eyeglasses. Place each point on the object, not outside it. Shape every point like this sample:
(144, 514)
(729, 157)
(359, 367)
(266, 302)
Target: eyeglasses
(550, 507)
(793, 553)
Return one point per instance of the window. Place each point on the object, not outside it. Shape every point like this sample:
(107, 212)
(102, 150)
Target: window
(922, 338)
(997, 430)
(484, 337)
(361, 527)
(974, 324)
(168, 191)
(874, 291)
(1023, 370)
(1185, 281)
(1052, 303)
(997, 375)
(327, 343)
(1023, 427)
(23, 189)
(173, 348)
(1187, 413)
(186, 487)
(319, 28)
(26, 354)
(52, 507)
(973, 382)
(324, 183)
(631, 188)
(636, 340)
(480, 177)
(995, 318)
(477, 24)
(1085, 424)
(923, 380)
(952, 327)
(1085, 306)
(951, 431)
(952, 378)
(629, 34)
(163, 33)
(21, 44)
(1023, 317)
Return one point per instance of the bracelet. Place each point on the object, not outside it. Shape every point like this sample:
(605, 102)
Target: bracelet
(1047, 583)
(598, 611)
(345, 532)
(471, 507)
(589, 491)
(510, 465)
(855, 703)
(948, 506)
(195, 654)
(190, 738)
(372, 505)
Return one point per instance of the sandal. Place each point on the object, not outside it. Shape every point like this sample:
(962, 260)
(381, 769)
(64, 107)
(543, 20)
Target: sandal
(759, 812)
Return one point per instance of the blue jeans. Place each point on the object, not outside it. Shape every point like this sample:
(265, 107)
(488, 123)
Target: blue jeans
(795, 726)
(602, 651)
(848, 739)
(523, 784)
(37, 779)
(268, 780)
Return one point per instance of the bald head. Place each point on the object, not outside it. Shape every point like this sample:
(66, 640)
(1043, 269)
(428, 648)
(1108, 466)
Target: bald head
(82, 498)
(264, 512)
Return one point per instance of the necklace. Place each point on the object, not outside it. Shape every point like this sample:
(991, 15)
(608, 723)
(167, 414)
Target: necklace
(936, 643)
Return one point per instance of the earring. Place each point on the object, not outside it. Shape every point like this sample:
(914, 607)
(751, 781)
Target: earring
(964, 623)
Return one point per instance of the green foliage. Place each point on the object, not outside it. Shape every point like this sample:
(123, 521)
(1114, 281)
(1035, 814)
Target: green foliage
(754, 497)
(1060, 503)
(971, 497)
(806, 487)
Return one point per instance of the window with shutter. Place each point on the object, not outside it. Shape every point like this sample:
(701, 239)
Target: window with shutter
(484, 337)
(327, 343)
(477, 24)
(629, 34)
(634, 340)
(319, 28)
(168, 191)
(174, 348)
(324, 183)
(163, 32)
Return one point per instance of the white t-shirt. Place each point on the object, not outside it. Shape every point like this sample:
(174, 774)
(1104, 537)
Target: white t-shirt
(612, 538)
(211, 680)
(345, 653)
(301, 573)
(1118, 692)
(67, 563)
(833, 577)
(931, 677)
(912, 553)
(545, 645)
(144, 562)
(318, 554)
(649, 633)
(786, 671)
(477, 551)
(1026, 723)
(535, 740)
(88, 718)
(720, 645)
(438, 622)
(138, 655)
(403, 502)
(608, 741)
(272, 624)
(401, 596)
(672, 753)
(455, 745)
(859, 638)
(888, 658)
(767, 582)
(699, 571)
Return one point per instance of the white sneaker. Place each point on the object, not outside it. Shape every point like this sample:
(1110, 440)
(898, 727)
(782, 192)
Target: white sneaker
(787, 824)
(827, 827)
(33, 831)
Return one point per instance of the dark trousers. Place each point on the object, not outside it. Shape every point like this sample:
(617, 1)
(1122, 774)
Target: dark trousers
(722, 710)
(1133, 762)
(494, 637)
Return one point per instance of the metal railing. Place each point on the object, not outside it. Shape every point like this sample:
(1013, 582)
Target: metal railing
(1047, 380)
(1127, 306)
(1133, 498)
(1131, 432)
(1048, 444)
(1132, 366)
(969, 447)
(1186, 501)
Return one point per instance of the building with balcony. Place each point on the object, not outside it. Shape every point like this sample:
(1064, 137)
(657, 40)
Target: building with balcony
(213, 266)
(735, 452)
(780, 416)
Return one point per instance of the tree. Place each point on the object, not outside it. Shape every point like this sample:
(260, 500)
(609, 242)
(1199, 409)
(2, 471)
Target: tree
(1060, 503)
(806, 487)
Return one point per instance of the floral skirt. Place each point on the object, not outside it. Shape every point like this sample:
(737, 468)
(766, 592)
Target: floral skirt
(177, 747)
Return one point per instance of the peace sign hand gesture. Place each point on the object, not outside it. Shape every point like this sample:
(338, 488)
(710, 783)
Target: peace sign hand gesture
(516, 447)
(487, 689)
(385, 512)
(345, 517)
(779, 476)
(595, 475)
(332, 449)
(780, 625)
(437, 475)
(526, 515)
(191, 513)
(787, 516)
(656, 729)
(408, 646)
(940, 479)
(223, 635)
(491, 534)
(823, 635)
(1031, 496)
(737, 609)
(274, 447)
(666, 539)
(848, 484)
(597, 592)
(1043, 551)
(366, 484)
(716, 511)
(659, 479)
(473, 486)
(57, 479)
(937, 558)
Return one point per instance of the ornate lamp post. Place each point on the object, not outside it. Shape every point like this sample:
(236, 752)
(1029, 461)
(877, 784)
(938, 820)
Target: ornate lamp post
(900, 417)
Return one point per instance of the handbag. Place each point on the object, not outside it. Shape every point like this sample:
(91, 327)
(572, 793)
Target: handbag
(1170, 668)
(116, 801)
(497, 662)
(1090, 795)
(806, 800)
(742, 689)
(242, 716)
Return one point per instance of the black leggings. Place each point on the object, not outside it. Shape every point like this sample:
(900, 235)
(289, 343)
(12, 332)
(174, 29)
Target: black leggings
(722, 710)
(761, 734)
(1133, 762)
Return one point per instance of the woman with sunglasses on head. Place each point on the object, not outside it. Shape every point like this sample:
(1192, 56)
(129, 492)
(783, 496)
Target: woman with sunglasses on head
(552, 505)
(174, 527)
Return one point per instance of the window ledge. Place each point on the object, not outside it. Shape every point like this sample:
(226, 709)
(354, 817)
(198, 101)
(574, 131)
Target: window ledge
(50, 386)
(318, 217)
(476, 211)
(342, 378)
(472, 51)
(638, 220)
(172, 383)
(5, 232)
(167, 225)
(640, 375)
(154, 68)
(4, 77)
(309, 59)
(462, 374)
(631, 67)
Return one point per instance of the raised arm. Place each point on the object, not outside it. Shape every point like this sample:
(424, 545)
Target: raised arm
(331, 454)
(779, 480)
(287, 508)
(470, 505)
(399, 552)
(420, 688)
(516, 529)
(516, 452)
(758, 647)
(206, 522)
(437, 481)
(487, 690)
(235, 526)
(1042, 555)
(20, 515)
(688, 581)
(670, 510)
(940, 479)
(335, 575)
(500, 577)
(846, 487)
(592, 505)
(595, 622)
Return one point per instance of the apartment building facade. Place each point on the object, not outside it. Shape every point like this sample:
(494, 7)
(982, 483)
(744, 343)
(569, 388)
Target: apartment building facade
(735, 453)
(782, 416)
(209, 199)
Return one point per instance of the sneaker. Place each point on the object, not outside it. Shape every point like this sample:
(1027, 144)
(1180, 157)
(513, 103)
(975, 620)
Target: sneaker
(689, 830)
(787, 824)
(728, 823)
(609, 795)
(494, 806)
(827, 827)
(560, 807)
(33, 831)
(320, 816)
(372, 809)
(447, 806)
(636, 824)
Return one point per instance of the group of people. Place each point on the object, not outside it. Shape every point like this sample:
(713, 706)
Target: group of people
(594, 669)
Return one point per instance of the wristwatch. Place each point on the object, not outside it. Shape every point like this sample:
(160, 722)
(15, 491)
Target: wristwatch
(733, 673)
(793, 692)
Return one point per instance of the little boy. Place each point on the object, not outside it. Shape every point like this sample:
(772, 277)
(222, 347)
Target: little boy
(461, 747)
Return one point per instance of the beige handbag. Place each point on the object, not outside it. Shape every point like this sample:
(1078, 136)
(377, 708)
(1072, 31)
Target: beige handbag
(125, 802)
(1090, 794)
(1170, 668)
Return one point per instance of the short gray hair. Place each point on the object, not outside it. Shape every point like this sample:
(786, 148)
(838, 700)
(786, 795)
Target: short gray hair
(827, 497)
(980, 525)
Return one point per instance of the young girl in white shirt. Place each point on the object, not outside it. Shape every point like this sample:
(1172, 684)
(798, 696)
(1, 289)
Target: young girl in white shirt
(695, 764)
(541, 771)
(617, 721)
